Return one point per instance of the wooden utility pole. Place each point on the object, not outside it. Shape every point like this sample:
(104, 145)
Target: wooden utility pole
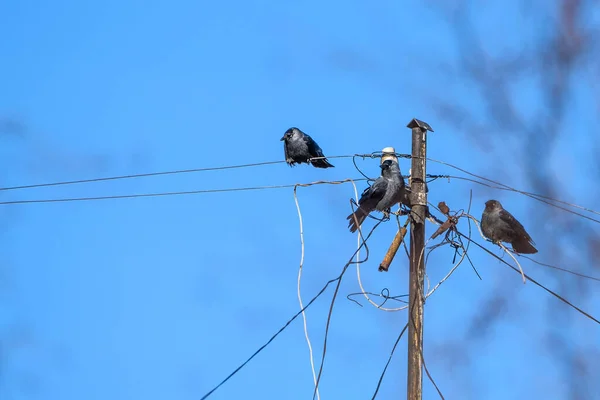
(417, 258)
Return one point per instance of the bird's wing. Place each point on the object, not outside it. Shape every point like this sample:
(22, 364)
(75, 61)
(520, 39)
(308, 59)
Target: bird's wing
(313, 148)
(372, 195)
(513, 223)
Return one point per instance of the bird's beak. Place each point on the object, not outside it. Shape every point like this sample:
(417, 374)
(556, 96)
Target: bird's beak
(282, 139)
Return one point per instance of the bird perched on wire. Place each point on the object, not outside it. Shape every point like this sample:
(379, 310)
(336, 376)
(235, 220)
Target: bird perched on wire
(387, 190)
(499, 225)
(301, 148)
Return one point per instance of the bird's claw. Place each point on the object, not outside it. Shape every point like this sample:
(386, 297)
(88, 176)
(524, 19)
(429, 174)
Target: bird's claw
(401, 212)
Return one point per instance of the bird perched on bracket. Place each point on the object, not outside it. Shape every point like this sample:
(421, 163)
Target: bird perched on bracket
(301, 148)
(387, 190)
(499, 225)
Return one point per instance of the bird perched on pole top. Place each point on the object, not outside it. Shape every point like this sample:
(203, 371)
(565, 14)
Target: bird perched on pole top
(301, 148)
(499, 225)
(386, 191)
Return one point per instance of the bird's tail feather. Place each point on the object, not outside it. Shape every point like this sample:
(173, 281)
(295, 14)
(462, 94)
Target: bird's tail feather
(360, 217)
(321, 163)
(523, 246)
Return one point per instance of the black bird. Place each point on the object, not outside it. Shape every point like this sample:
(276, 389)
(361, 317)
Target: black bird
(386, 191)
(389, 153)
(300, 148)
(499, 225)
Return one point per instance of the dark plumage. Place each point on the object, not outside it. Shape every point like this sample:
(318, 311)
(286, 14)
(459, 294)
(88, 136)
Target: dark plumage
(389, 154)
(387, 190)
(499, 225)
(301, 148)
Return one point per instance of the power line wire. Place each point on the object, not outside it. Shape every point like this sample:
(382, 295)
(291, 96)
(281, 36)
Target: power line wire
(562, 269)
(506, 187)
(182, 171)
(162, 194)
(112, 178)
(388, 361)
(559, 297)
(533, 196)
(500, 186)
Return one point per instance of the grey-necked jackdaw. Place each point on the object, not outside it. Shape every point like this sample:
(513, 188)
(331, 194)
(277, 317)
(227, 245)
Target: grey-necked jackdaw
(301, 148)
(388, 190)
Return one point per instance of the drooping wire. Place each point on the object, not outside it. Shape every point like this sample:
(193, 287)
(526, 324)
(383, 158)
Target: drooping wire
(300, 270)
(388, 361)
(337, 288)
(534, 281)
(384, 294)
(289, 321)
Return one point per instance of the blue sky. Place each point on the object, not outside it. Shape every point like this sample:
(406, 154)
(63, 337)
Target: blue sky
(160, 298)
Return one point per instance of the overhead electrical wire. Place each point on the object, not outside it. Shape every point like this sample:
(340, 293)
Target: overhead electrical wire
(175, 172)
(498, 185)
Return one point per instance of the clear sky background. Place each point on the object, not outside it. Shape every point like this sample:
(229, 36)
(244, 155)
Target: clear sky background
(161, 298)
